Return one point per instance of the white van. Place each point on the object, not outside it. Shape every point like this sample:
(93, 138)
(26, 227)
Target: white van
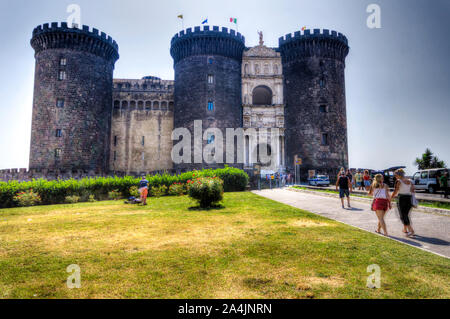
(428, 179)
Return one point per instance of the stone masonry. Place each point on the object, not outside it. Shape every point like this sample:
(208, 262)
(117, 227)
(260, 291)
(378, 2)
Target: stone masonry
(87, 124)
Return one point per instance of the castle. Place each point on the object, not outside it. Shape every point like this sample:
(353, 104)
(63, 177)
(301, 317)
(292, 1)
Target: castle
(85, 122)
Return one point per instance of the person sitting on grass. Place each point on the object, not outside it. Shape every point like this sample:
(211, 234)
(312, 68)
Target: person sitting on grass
(345, 185)
(143, 190)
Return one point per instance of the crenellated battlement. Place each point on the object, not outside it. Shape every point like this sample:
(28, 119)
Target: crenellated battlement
(24, 175)
(205, 41)
(313, 34)
(317, 42)
(61, 36)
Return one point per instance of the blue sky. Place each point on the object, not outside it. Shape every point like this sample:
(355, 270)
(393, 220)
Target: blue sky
(397, 77)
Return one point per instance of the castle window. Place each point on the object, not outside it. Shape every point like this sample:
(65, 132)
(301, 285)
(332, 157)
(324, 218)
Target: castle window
(211, 138)
(148, 105)
(210, 106)
(323, 109)
(60, 103)
(63, 62)
(117, 104)
(322, 82)
(210, 79)
(115, 140)
(62, 75)
(164, 106)
(325, 139)
(58, 133)
(143, 140)
(57, 153)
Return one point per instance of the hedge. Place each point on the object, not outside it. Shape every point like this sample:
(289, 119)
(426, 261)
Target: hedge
(55, 192)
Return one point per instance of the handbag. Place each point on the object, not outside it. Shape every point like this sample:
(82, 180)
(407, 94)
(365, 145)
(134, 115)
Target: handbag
(414, 201)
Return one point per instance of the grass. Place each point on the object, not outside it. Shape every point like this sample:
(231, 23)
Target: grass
(250, 248)
(426, 203)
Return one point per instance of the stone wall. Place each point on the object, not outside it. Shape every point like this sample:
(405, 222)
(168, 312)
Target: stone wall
(71, 120)
(142, 125)
(316, 121)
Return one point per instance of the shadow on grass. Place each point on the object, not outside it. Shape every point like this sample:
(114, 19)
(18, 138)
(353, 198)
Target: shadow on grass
(213, 207)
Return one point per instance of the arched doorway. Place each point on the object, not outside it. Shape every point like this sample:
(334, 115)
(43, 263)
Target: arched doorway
(262, 95)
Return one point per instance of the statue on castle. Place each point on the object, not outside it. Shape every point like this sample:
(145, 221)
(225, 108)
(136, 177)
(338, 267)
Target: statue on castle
(261, 37)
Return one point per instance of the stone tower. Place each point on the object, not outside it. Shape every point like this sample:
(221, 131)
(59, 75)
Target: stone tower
(315, 116)
(72, 103)
(207, 67)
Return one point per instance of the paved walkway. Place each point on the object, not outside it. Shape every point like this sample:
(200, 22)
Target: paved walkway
(432, 231)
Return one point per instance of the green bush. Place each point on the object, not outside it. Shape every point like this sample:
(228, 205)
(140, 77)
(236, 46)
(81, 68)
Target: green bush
(177, 189)
(72, 199)
(28, 198)
(56, 191)
(114, 195)
(134, 191)
(207, 191)
(159, 191)
(91, 199)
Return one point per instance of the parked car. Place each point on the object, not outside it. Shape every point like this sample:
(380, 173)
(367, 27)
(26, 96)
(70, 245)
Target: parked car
(428, 179)
(319, 180)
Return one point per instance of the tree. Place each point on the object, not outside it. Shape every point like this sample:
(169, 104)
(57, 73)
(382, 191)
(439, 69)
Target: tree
(428, 160)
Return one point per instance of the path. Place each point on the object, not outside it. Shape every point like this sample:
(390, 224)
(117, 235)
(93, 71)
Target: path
(433, 231)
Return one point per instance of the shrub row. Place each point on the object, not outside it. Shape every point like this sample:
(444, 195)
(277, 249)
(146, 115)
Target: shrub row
(55, 192)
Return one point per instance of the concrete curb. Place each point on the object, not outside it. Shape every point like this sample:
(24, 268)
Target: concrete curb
(422, 209)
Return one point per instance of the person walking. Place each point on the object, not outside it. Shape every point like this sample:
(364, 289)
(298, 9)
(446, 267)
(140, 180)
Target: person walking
(345, 185)
(143, 190)
(381, 201)
(358, 179)
(404, 188)
(366, 179)
(443, 181)
(350, 177)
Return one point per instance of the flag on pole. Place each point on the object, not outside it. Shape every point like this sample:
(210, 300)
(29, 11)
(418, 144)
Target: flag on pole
(233, 20)
(206, 21)
(304, 28)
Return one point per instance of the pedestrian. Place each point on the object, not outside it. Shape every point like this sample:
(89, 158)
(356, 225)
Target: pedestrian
(405, 189)
(143, 190)
(443, 181)
(345, 185)
(358, 179)
(350, 177)
(366, 179)
(381, 201)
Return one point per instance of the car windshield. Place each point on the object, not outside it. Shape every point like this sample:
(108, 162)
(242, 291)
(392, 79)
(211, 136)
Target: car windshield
(322, 177)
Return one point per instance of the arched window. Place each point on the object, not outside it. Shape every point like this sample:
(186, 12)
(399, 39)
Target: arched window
(141, 105)
(148, 105)
(117, 104)
(164, 105)
(124, 104)
(262, 95)
(156, 105)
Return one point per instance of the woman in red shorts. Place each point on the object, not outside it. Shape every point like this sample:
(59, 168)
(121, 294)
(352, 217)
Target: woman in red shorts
(381, 201)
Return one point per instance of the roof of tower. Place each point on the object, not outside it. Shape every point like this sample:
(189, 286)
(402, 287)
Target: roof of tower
(207, 41)
(60, 35)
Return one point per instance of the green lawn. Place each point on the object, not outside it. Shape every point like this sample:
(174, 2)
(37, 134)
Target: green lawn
(252, 248)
